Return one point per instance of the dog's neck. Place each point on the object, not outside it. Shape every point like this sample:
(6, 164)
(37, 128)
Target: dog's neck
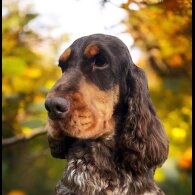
(87, 161)
(92, 148)
(91, 167)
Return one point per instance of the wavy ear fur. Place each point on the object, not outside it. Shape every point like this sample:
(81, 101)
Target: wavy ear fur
(143, 143)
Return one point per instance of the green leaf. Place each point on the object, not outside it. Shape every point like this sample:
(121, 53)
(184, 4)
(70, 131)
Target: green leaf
(13, 66)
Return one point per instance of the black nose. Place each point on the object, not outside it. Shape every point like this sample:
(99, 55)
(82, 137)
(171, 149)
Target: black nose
(57, 107)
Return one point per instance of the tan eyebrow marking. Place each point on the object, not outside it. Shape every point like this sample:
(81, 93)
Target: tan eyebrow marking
(91, 50)
(65, 55)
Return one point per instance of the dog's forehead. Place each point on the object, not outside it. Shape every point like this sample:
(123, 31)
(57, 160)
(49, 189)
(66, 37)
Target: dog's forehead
(105, 41)
(87, 47)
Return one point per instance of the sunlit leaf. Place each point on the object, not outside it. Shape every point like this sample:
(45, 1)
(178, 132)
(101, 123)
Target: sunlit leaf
(16, 192)
(176, 61)
(39, 98)
(49, 84)
(13, 66)
(179, 134)
(21, 84)
(152, 1)
(185, 161)
(33, 73)
(26, 131)
(159, 175)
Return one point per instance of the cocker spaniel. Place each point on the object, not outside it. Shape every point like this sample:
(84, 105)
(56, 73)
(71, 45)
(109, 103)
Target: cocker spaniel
(101, 119)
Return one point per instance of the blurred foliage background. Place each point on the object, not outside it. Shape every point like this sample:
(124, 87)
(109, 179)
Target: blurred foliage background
(161, 29)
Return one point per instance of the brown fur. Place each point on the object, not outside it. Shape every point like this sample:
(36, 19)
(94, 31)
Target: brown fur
(66, 54)
(91, 50)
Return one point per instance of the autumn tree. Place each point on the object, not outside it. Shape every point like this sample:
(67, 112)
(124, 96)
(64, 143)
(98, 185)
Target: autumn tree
(28, 72)
(163, 32)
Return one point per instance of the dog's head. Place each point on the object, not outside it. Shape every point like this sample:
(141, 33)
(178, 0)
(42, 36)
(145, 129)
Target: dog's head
(102, 93)
(82, 102)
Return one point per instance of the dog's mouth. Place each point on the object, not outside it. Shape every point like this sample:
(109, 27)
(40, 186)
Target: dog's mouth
(82, 124)
(77, 123)
(84, 115)
(60, 147)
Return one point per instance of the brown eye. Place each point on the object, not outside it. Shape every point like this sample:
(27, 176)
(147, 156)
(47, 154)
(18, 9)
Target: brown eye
(100, 62)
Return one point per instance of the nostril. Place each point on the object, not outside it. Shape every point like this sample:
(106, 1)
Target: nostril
(57, 107)
(61, 108)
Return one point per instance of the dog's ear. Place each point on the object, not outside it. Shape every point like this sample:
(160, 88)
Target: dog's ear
(143, 143)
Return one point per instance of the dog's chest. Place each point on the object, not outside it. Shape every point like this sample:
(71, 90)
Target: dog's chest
(91, 169)
(75, 173)
(85, 178)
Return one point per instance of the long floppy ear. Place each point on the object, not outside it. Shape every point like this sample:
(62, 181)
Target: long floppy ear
(143, 143)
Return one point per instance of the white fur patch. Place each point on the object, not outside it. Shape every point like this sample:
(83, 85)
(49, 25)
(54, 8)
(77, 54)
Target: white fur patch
(149, 193)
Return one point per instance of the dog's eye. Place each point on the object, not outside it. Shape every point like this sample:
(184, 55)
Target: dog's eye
(100, 62)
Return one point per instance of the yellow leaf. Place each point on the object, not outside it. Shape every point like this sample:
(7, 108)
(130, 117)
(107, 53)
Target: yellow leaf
(49, 84)
(26, 131)
(39, 98)
(22, 85)
(6, 89)
(159, 175)
(33, 73)
(16, 192)
(178, 134)
(186, 111)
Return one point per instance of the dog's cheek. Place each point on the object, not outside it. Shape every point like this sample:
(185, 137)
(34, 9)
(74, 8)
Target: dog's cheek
(102, 106)
(80, 116)
(116, 95)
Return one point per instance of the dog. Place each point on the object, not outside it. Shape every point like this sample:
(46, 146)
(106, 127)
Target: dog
(102, 120)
